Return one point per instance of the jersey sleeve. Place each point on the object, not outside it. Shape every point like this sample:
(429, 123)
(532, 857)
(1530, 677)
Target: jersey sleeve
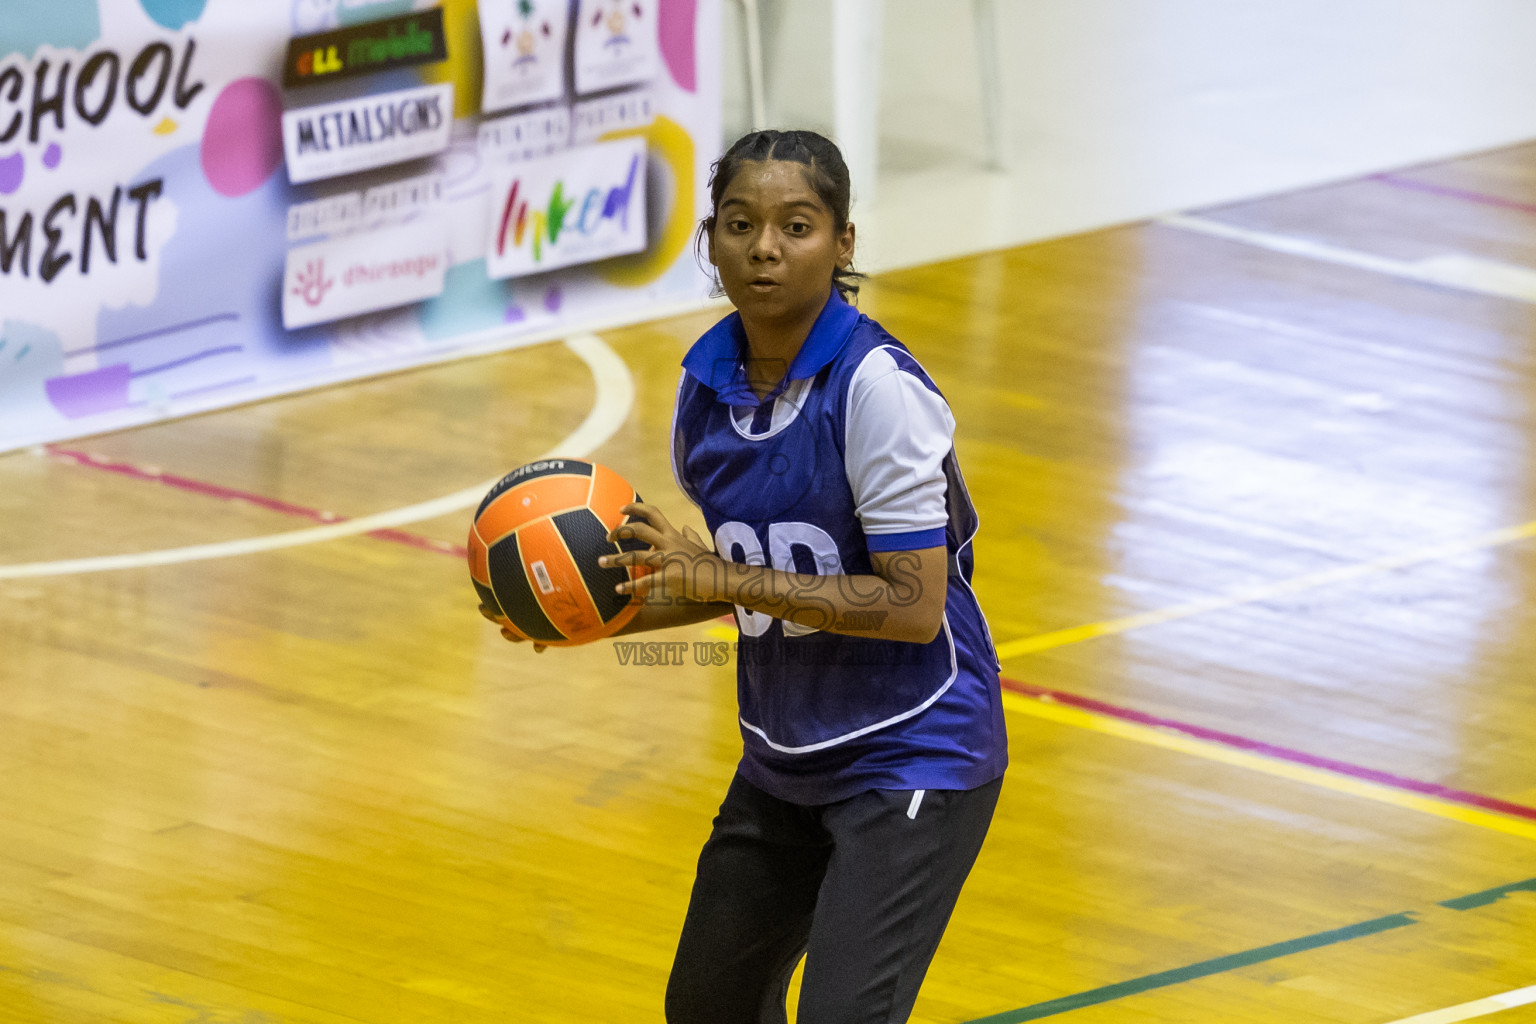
(898, 432)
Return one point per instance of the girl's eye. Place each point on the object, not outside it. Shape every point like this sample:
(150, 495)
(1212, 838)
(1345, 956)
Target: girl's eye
(738, 225)
(798, 228)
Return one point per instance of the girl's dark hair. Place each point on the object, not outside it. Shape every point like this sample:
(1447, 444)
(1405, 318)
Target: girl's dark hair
(825, 172)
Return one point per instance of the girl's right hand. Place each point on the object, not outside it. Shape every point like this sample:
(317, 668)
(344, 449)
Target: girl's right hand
(538, 648)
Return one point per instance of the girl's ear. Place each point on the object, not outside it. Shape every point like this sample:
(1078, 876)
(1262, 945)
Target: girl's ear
(709, 241)
(845, 248)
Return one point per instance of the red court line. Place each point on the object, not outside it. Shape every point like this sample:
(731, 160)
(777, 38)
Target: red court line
(1481, 198)
(1228, 739)
(286, 508)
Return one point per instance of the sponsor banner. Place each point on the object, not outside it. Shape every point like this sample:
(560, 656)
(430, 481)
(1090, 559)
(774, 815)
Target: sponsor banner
(353, 211)
(364, 272)
(574, 206)
(617, 44)
(147, 214)
(365, 49)
(525, 135)
(524, 51)
(592, 119)
(332, 139)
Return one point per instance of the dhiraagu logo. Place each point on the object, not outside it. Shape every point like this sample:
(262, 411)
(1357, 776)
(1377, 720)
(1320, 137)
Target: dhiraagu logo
(575, 206)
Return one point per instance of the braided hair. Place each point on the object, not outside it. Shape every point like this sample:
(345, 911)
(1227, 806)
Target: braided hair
(825, 172)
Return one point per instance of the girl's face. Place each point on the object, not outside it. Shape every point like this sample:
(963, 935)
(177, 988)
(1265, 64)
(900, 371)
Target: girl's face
(775, 243)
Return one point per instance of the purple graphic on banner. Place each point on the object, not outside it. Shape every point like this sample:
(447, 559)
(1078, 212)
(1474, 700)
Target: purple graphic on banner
(52, 155)
(106, 389)
(161, 332)
(222, 350)
(86, 394)
(12, 170)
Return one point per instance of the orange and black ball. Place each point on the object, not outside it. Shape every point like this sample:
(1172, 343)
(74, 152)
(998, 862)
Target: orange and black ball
(534, 546)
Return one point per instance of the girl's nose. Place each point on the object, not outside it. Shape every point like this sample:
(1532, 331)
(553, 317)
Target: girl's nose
(765, 246)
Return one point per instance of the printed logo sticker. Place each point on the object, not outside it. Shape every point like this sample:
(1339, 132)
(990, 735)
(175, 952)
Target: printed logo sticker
(575, 206)
(524, 47)
(332, 139)
(401, 42)
(522, 136)
(365, 272)
(617, 43)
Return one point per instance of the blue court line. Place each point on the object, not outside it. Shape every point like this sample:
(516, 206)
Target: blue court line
(1487, 896)
(1206, 968)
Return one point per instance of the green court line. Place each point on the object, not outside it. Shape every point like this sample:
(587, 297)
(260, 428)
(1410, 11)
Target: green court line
(1221, 964)
(1487, 896)
(1200, 970)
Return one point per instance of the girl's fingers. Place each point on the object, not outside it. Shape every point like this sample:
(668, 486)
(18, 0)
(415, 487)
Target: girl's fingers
(538, 648)
(637, 531)
(650, 513)
(649, 559)
(638, 587)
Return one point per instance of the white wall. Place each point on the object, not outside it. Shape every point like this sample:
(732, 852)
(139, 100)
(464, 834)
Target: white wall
(1121, 109)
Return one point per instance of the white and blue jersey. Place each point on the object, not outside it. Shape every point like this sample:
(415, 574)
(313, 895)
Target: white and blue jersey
(853, 453)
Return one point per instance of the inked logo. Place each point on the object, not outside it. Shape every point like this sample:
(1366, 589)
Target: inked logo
(519, 226)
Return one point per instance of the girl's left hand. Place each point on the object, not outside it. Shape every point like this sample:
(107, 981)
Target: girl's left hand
(675, 560)
(538, 648)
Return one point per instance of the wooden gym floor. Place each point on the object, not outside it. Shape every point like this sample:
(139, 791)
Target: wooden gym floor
(1257, 487)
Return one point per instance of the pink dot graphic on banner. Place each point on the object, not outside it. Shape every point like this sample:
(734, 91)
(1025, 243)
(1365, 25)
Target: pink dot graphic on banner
(675, 24)
(12, 170)
(243, 143)
(52, 155)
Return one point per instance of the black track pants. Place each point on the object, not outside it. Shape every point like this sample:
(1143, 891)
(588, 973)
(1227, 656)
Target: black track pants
(863, 888)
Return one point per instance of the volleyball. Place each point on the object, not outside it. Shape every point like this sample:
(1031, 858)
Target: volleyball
(534, 546)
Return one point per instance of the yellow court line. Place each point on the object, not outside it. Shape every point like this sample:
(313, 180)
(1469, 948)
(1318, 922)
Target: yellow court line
(1439, 552)
(1210, 751)
(1476, 1008)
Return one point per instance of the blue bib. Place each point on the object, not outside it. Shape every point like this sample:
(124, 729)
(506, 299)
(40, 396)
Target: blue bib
(824, 715)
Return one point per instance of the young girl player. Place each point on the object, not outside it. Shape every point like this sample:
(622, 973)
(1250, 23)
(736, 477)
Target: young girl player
(821, 455)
